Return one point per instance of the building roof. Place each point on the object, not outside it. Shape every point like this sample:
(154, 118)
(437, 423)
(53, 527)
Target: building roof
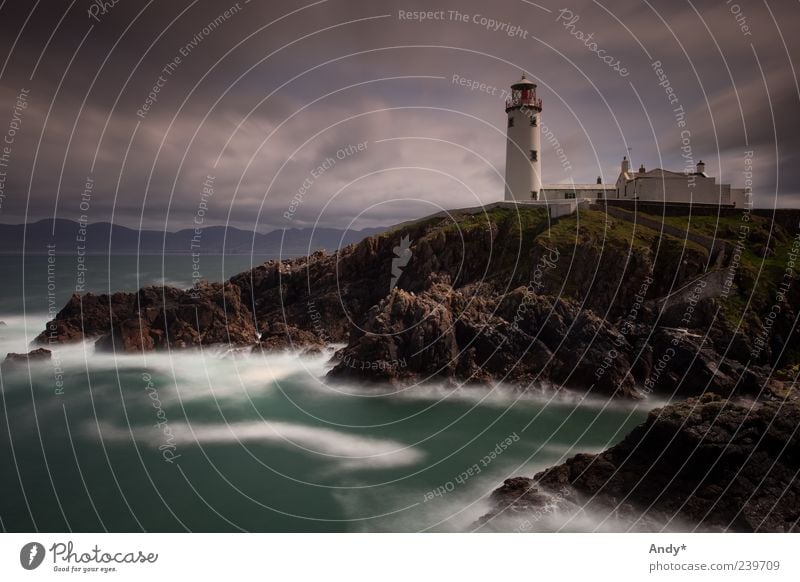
(523, 82)
(578, 187)
(660, 174)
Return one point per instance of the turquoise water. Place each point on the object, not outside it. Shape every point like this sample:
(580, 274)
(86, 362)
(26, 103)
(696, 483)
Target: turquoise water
(219, 441)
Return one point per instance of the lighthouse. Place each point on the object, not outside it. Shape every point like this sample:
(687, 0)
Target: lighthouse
(523, 151)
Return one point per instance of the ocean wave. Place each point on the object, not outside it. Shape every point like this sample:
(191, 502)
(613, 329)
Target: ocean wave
(347, 451)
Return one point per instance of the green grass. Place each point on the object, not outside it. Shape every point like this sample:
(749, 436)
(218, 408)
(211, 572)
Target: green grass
(598, 228)
(759, 288)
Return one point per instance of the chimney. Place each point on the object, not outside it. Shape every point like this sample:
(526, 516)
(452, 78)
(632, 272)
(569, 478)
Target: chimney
(701, 167)
(625, 164)
(599, 180)
(641, 169)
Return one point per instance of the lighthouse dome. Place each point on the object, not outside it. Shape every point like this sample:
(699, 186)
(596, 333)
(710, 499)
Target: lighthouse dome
(524, 83)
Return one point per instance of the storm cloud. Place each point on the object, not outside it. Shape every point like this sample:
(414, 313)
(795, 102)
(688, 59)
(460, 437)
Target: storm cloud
(343, 113)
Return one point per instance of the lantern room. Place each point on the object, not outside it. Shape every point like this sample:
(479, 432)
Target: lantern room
(523, 94)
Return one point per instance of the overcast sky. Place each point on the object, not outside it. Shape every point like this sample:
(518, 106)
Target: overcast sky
(267, 92)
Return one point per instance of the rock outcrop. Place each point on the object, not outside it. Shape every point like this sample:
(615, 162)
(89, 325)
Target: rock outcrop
(282, 337)
(443, 334)
(156, 318)
(38, 355)
(586, 302)
(708, 464)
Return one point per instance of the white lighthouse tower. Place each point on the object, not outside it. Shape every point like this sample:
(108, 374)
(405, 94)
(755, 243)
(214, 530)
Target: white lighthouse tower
(523, 151)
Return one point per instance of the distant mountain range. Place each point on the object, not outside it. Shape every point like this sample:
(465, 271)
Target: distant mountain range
(101, 237)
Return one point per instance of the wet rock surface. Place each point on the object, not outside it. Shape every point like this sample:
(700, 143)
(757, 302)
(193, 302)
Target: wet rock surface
(707, 463)
(38, 355)
(155, 318)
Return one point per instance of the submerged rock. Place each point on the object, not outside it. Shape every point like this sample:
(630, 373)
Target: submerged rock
(706, 463)
(39, 354)
(155, 318)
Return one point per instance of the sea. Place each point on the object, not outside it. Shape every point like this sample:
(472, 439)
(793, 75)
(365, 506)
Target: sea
(217, 440)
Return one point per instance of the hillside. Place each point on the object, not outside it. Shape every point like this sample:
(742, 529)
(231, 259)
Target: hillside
(592, 301)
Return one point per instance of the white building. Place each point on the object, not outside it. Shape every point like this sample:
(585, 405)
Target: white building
(741, 198)
(552, 192)
(524, 162)
(524, 170)
(675, 187)
(523, 143)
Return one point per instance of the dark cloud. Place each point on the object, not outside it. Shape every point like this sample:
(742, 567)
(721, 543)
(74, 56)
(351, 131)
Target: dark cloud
(263, 96)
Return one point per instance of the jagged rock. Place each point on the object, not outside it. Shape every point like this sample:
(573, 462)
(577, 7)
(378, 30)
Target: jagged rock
(521, 338)
(708, 463)
(280, 336)
(39, 354)
(503, 295)
(156, 318)
(518, 494)
(405, 336)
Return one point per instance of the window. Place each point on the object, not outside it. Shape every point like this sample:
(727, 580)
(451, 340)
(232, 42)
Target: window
(533, 121)
(569, 195)
(533, 194)
(534, 155)
(510, 122)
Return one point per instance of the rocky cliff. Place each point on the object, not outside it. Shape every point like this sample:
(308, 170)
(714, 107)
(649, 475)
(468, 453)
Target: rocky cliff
(591, 301)
(706, 464)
